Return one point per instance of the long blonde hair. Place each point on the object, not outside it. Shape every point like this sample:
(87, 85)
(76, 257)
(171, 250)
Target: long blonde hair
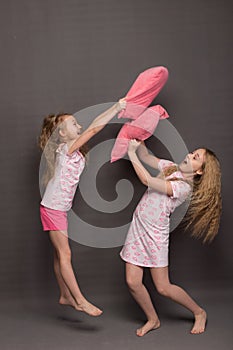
(49, 141)
(204, 211)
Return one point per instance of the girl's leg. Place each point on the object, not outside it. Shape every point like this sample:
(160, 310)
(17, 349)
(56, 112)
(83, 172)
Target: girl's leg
(61, 245)
(134, 275)
(65, 295)
(164, 287)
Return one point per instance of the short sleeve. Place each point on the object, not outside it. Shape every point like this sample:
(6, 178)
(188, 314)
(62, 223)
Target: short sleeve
(181, 190)
(62, 148)
(164, 163)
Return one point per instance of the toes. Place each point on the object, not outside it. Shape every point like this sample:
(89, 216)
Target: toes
(139, 333)
(197, 331)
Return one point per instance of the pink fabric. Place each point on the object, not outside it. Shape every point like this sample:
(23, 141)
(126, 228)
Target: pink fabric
(147, 241)
(53, 220)
(140, 129)
(143, 91)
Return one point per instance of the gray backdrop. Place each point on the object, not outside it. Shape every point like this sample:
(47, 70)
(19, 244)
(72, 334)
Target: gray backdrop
(68, 55)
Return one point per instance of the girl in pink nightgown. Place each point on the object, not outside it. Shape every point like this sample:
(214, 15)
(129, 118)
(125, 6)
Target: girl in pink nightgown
(147, 240)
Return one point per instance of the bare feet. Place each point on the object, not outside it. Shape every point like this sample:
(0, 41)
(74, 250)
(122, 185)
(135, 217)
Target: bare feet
(148, 326)
(200, 322)
(88, 308)
(84, 306)
(69, 301)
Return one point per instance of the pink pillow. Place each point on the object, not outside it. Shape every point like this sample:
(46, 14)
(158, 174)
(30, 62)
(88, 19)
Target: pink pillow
(143, 91)
(140, 129)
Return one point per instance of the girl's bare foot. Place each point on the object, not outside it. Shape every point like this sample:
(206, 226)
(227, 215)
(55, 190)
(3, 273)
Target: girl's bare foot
(83, 306)
(148, 326)
(69, 301)
(200, 322)
(88, 308)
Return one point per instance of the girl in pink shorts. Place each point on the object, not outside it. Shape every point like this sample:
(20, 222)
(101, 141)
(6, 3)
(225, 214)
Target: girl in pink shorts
(64, 151)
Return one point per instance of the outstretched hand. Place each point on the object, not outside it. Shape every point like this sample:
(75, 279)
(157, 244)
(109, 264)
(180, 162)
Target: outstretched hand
(133, 145)
(121, 104)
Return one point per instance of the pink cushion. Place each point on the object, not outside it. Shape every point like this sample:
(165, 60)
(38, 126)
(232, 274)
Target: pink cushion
(143, 91)
(140, 129)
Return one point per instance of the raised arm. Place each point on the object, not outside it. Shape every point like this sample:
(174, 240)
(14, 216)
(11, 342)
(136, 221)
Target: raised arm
(97, 125)
(144, 176)
(146, 157)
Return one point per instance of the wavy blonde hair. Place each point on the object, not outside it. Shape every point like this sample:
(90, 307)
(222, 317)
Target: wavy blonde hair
(49, 141)
(204, 211)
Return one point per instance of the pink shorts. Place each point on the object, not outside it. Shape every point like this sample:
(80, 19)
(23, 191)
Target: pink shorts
(53, 220)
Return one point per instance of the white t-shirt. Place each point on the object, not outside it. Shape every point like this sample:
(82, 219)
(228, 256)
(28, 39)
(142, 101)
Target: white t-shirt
(61, 188)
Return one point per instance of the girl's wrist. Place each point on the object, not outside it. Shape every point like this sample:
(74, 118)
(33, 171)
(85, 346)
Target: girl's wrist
(120, 105)
(132, 152)
(117, 107)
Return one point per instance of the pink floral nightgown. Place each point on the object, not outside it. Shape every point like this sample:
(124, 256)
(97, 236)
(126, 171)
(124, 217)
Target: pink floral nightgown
(148, 236)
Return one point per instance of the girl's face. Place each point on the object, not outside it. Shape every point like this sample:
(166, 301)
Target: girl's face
(193, 162)
(70, 129)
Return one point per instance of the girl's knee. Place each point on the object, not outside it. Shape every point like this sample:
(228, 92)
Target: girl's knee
(64, 254)
(163, 289)
(132, 283)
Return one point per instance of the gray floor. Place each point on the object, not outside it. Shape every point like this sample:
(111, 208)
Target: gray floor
(41, 323)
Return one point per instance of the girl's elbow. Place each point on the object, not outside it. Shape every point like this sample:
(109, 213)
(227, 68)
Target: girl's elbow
(145, 181)
(169, 189)
(69, 153)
